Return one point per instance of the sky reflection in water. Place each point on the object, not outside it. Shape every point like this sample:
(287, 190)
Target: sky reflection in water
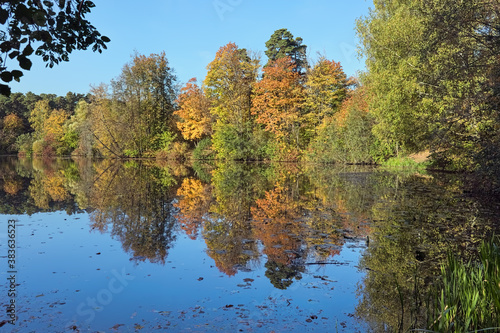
(134, 246)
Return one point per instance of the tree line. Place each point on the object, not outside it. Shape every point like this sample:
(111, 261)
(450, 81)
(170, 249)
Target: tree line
(432, 78)
(287, 110)
(431, 84)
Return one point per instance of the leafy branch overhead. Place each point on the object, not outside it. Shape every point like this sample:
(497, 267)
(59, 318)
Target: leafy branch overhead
(48, 29)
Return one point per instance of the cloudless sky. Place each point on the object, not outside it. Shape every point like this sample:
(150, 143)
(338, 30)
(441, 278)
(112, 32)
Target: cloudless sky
(191, 31)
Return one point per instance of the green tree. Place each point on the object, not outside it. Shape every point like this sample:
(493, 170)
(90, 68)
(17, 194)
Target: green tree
(283, 44)
(433, 68)
(228, 85)
(78, 137)
(346, 136)
(147, 88)
(54, 28)
(109, 125)
(137, 115)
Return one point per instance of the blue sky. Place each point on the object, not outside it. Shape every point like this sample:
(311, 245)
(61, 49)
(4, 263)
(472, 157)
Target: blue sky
(191, 31)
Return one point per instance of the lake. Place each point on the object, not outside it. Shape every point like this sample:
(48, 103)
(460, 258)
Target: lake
(148, 246)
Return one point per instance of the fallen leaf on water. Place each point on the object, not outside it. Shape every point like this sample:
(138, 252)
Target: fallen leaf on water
(40, 295)
(117, 326)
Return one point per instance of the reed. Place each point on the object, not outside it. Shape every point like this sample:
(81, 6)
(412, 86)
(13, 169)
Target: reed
(467, 298)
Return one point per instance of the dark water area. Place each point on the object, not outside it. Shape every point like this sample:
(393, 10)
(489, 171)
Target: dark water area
(112, 246)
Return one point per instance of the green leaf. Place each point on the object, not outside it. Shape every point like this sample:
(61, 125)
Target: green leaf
(105, 39)
(6, 76)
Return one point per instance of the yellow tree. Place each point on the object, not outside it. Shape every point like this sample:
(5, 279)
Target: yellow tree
(109, 126)
(38, 115)
(48, 126)
(53, 125)
(326, 86)
(194, 112)
(11, 126)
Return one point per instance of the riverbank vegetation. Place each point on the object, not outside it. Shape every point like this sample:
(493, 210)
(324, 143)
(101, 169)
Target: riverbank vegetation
(431, 84)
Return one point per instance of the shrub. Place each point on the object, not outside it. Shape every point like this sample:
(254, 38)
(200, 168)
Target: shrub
(203, 150)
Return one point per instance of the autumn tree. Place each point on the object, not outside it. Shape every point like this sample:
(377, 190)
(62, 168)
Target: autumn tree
(194, 112)
(78, 136)
(108, 125)
(11, 126)
(38, 115)
(55, 28)
(282, 44)
(48, 128)
(135, 117)
(228, 85)
(346, 136)
(145, 94)
(278, 105)
(326, 87)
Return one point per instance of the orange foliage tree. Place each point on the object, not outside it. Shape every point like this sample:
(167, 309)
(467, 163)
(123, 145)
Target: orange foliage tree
(278, 102)
(357, 100)
(194, 112)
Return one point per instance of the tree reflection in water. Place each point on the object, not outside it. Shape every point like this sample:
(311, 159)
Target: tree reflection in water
(279, 216)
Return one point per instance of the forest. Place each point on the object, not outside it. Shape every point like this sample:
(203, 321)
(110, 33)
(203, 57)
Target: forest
(431, 85)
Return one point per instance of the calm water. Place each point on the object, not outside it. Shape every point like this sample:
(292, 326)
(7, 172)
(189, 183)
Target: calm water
(144, 246)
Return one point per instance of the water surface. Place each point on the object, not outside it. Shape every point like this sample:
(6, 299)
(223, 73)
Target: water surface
(144, 246)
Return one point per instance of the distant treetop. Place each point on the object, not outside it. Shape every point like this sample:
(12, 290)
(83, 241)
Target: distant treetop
(282, 44)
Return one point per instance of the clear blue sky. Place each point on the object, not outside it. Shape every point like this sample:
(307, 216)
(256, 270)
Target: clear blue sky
(191, 31)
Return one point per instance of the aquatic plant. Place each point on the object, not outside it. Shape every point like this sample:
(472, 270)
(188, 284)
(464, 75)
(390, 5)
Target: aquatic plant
(467, 297)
